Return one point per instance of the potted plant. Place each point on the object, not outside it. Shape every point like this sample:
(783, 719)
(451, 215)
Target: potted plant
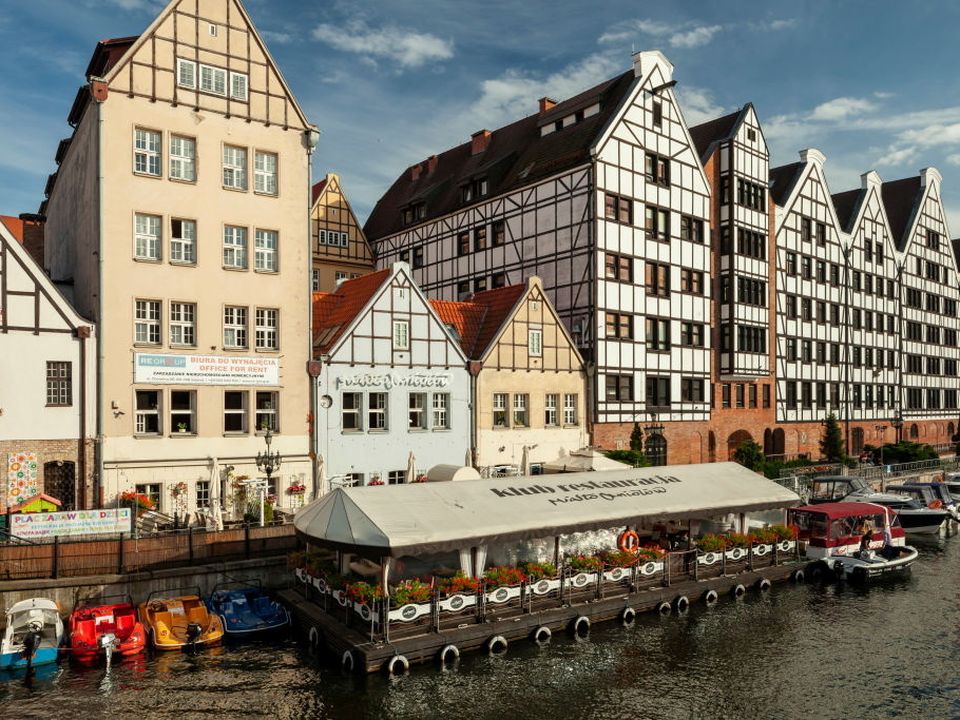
(181, 427)
(363, 593)
(411, 592)
(538, 570)
(459, 592)
(618, 558)
(137, 501)
(712, 543)
(503, 583)
(584, 563)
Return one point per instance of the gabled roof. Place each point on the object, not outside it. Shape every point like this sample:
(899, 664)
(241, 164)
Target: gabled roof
(107, 54)
(900, 197)
(479, 319)
(713, 131)
(14, 225)
(515, 156)
(845, 204)
(334, 312)
(782, 180)
(317, 190)
(465, 318)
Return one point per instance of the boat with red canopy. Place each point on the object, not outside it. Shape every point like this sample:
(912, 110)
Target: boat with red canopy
(858, 540)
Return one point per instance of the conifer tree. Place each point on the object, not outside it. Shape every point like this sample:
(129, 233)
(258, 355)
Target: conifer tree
(831, 444)
(636, 438)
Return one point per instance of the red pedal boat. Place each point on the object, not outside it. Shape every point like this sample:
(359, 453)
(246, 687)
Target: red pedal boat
(99, 631)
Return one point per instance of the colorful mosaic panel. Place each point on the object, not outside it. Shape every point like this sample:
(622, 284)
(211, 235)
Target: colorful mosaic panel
(23, 477)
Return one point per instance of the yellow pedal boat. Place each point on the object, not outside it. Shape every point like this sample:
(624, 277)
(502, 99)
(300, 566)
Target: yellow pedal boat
(181, 622)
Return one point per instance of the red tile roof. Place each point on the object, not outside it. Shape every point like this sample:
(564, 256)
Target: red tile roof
(466, 318)
(14, 225)
(479, 319)
(333, 312)
(318, 188)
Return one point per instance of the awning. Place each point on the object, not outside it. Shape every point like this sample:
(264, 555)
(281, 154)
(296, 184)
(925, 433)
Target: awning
(435, 517)
(583, 460)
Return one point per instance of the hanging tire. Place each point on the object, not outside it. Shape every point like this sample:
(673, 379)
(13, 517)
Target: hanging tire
(314, 638)
(681, 604)
(818, 571)
(798, 577)
(738, 590)
(763, 585)
(710, 598)
(346, 661)
(542, 635)
(581, 627)
(628, 616)
(449, 655)
(497, 645)
(664, 608)
(398, 665)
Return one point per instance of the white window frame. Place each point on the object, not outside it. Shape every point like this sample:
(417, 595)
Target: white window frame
(344, 240)
(378, 411)
(183, 158)
(441, 411)
(570, 403)
(356, 412)
(417, 408)
(401, 335)
(183, 244)
(267, 328)
(238, 86)
(235, 247)
(535, 341)
(241, 412)
(550, 410)
(202, 494)
(213, 80)
(183, 64)
(265, 176)
(235, 327)
(190, 413)
(59, 383)
(234, 174)
(321, 237)
(147, 152)
(152, 491)
(183, 324)
(501, 404)
(315, 280)
(141, 414)
(266, 246)
(269, 413)
(147, 236)
(521, 409)
(147, 319)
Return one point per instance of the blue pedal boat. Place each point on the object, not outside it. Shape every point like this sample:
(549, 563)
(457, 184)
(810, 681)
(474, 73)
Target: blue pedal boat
(246, 610)
(33, 636)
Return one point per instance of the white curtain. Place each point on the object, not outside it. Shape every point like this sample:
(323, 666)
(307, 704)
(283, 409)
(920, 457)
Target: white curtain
(465, 562)
(481, 559)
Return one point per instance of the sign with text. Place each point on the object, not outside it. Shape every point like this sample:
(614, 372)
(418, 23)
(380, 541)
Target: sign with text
(164, 369)
(391, 380)
(72, 523)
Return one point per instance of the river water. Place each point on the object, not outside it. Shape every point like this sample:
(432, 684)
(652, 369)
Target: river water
(891, 650)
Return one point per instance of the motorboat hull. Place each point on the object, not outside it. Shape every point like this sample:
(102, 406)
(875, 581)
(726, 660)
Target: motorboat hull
(89, 626)
(35, 623)
(168, 621)
(865, 570)
(922, 522)
(17, 661)
(248, 613)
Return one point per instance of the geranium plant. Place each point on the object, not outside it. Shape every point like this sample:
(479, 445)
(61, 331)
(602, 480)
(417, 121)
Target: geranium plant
(539, 570)
(712, 542)
(618, 558)
(139, 500)
(364, 593)
(784, 533)
(459, 584)
(648, 552)
(411, 591)
(764, 536)
(738, 540)
(502, 575)
(296, 489)
(584, 563)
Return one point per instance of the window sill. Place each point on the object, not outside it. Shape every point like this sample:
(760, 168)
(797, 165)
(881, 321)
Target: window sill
(234, 268)
(184, 263)
(234, 189)
(148, 345)
(571, 427)
(149, 261)
(266, 194)
(148, 175)
(260, 271)
(500, 427)
(58, 405)
(268, 351)
(226, 348)
(185, 433)
(183, 181)
(147, 436)
(180, 346)
(440, 430)
(236, 433)
(262, 433)
(417, 430)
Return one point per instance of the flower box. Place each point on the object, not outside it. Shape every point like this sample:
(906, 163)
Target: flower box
(457, 602)
(650, 567)
(544, 586)
(320, 584)
(301, 575)
(583, 580)
(363, 610)
(786, 545)
(736, 554)
(761, 550)
(617, 574)
(709, 558)
(503, 594)
(341, 597)
(409, 612)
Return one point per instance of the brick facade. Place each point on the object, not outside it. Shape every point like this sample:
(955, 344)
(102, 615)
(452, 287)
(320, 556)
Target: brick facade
(51, 451)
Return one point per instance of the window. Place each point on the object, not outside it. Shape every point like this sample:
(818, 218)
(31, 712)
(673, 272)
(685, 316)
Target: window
(234, 411)
(265, 250)
(500, 410)
(498, 280)
(658, 334)
(806, 230)
(806, 267)
(691, 281)
(806, 394)
(933, 240)
(535, 341)
(751, 195)
(691, 334)
(725, 189)
(203, 494)
(691, 229)
(480, 238)
(479, 284)
(234, 247)
(753, 244)
(147, 237)
(152, 491)
(499, 233)
(418, 257)
(751, 339)
(791, 307)
(618, 209)
(821, 271)
(806, 310)
(821, 352)
(463, 290)
(806, 351)
(739, 397)
(183, 241)
(234, 167)
(234, 327)
(834, 274)
(264, 172)
(658, 392)
(147, 419)
(473, 190)
(401, 335)
(751, 292)
(619, 325)
(520, 404)
(266, 333)
(821, 312)
(238, 86)
(658, 279)
(396, 477)
(821, 233)
(791, 349)
(657, 113)
(569, 409)
(147, 324)
(766, 396)
(213, 80)
(183, 411)
(186, 73)
(350, 412)
(463, 243)
(657, 223)
(183, 325)
(377, 411)
(618, 267)
(657, 170)
(791, 398)
(183, 158)
(417, 411)
(752, 395)
(791, 263)
(441, 408)
(146, 152)
(59, 384)
(691, 389)
(619, 388)
(550, 414)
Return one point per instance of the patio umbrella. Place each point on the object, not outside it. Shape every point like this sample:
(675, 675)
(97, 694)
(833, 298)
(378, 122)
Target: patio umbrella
(411, 469)
(468, 459)
(321, 487)
(525, 462)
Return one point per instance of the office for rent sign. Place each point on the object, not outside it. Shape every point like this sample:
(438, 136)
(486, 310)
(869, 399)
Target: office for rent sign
(163, 369)
(73, 523)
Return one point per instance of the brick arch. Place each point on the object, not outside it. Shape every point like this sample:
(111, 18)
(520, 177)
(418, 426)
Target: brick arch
(735, 440)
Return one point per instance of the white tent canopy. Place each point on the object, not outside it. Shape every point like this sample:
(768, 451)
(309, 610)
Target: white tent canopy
(583, 460)
(424, 518)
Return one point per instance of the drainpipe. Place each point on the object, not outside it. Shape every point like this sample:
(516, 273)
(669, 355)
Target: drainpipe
(474, 367)
(311, 137)
(83, 332)
(98, 445)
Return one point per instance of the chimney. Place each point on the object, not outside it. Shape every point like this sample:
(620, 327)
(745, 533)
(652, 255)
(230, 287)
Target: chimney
(870, 179)
(812, 155)
(930, 176)
(645, 62)
(479, 141)
(33, 235)
(415, 171)
(431, 164)
(547, 104)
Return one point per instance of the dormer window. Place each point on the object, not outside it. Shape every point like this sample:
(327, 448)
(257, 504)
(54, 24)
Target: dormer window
(473, 190)
(413, 213)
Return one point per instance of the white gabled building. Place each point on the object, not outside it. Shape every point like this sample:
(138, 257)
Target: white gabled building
(391, 380)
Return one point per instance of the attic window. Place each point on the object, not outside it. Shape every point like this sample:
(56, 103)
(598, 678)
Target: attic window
(452, 329)
(473, 190)
(657, 113)
(751, 134)
(413, 213)
(212, 29)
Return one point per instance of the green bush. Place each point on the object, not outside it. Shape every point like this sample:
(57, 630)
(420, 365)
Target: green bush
(634, 458)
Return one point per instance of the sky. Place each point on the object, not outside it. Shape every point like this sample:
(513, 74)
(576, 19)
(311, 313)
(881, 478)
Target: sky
(871, 84)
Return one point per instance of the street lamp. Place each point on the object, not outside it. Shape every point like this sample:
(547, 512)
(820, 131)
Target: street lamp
(881, 432)
(898, 423)
(268, 463)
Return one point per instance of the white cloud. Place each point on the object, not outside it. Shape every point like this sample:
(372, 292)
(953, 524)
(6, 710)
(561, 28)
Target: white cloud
(841, 108)
(696, 37)
(953, 159)
(137, 4)
(896, 156)
(275, 37)
(697, 104)
(678, 35)
(784, 24)
(408, 48)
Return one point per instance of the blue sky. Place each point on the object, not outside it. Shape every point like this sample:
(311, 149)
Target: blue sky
(872, 84)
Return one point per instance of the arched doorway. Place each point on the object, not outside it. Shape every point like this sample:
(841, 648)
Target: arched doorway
(712, 446)
(768, 442)
(779, 442)
(656, 449)
(856, 441)
(59, 480)
(951, 432)
(736, 440)
(914, 431)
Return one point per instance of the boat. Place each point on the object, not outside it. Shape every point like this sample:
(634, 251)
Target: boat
(33, 635)
(246, 610)
(180, 622)
(952, 481)
(833, 535)
(99, 630)
(932, 494)
(915, 517)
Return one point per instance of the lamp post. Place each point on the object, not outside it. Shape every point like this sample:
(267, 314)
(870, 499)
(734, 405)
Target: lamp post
(268, 463)
(898, 424)
(881, 432)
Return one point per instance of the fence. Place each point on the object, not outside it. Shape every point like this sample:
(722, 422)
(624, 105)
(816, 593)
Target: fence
(126, 554)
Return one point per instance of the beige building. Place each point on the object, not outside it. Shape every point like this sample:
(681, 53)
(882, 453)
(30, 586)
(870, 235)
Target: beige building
(340, 249)
(179, 214)
(529, 380)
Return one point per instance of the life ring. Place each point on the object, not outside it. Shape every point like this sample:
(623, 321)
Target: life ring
(664, 608)
(346, 661)
(542, 635)
(628, 541)
(449, 655)
(581, 627)
(497, 645)
(395, 661)
(798, 577)
(681, 604)
(628, 616)
(710, 597)
(738, 590)
(934, 505)
(763, 585)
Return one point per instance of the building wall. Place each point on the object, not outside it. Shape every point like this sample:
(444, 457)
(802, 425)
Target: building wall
(332, 262)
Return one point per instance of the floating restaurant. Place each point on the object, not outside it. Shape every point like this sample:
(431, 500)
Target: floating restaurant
(396, 576)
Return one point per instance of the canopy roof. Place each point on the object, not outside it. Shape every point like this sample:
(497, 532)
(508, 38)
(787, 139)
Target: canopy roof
(585, 459)
(434, 517)
(838, 510)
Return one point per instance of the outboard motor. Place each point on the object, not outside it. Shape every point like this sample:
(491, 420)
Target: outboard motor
(194, 631)
(108, 643)
(31, 641)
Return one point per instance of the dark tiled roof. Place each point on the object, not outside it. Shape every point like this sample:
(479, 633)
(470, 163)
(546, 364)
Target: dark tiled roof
(782, 180)
(107, 54)
(899, 199)
(317, 189)
(516, 155)
(479, 319)
(846, 205)
(333, 312)
(705, 134)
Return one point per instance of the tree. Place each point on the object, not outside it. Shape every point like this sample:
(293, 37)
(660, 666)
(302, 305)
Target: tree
(750, 455)
(831, 444)
(636, 438)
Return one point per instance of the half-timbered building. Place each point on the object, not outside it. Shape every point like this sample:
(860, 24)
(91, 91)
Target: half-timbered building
(392, 380)
(340, 249)
(529, 384)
